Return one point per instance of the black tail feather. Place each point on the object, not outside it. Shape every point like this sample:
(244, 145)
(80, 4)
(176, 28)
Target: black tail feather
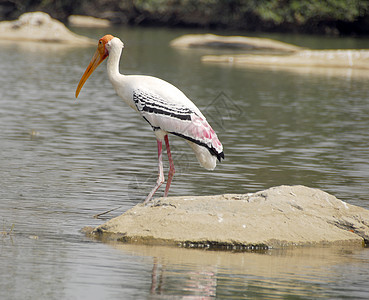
(212, 150)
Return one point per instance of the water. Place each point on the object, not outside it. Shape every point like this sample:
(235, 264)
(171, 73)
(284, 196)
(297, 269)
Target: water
(63, 160)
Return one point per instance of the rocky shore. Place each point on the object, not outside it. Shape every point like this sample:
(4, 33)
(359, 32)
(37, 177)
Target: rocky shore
(261, 52)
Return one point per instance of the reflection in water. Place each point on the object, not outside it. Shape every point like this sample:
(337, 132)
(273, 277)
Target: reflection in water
(165, 281)
(302, 272)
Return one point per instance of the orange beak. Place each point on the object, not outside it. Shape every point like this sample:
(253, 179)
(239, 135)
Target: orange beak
(99, 56)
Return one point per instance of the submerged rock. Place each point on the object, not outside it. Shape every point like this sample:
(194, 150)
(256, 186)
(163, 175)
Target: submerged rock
(40, 27)
(277, 217)
(271, 53)
(355, 59)
(232, 42)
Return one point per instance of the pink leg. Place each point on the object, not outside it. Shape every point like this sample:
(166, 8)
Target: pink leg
(171, 167)
(160, 180)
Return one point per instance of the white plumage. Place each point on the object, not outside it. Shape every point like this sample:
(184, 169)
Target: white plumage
(163, 106)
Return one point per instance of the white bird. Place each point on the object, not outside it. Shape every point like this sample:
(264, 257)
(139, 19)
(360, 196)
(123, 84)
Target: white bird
(163, 106)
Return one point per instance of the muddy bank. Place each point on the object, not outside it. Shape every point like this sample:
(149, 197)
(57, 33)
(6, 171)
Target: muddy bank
(278, 217)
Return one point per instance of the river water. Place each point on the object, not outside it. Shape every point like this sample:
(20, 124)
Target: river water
(64, 160)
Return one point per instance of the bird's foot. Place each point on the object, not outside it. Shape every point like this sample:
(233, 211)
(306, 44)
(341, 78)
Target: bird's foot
(158, 202)
(149, 203)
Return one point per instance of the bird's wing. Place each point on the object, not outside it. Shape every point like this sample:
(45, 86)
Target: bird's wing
(177, 119)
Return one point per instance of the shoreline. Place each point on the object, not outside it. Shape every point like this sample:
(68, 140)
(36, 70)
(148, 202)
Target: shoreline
(265, 16)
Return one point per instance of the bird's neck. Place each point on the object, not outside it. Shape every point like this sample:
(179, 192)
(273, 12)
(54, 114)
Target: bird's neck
(113, 65)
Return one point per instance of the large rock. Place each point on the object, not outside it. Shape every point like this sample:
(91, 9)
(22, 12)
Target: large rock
(232, 42)
(87, 21)
(277, 217)
(355, 59)
(40, 27)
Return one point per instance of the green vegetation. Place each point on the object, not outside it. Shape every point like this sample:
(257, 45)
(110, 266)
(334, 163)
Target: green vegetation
(313, 16)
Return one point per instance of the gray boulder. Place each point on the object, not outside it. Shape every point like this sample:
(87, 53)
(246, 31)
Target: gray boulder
(40, 27)
(277, 217)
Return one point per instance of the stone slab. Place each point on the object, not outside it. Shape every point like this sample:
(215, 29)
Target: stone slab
(232, 42)
(277, 217)
(341, 58)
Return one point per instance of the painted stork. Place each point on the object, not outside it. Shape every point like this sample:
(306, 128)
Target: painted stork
(163, 106)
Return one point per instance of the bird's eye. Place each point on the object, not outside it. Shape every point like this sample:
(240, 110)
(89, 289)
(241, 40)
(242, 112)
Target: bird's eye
(100, 42)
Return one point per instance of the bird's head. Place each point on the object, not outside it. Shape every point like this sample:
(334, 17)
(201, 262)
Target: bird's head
(102, 52)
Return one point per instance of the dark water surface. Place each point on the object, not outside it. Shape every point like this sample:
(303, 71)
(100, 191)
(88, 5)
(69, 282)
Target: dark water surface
(63, 160)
